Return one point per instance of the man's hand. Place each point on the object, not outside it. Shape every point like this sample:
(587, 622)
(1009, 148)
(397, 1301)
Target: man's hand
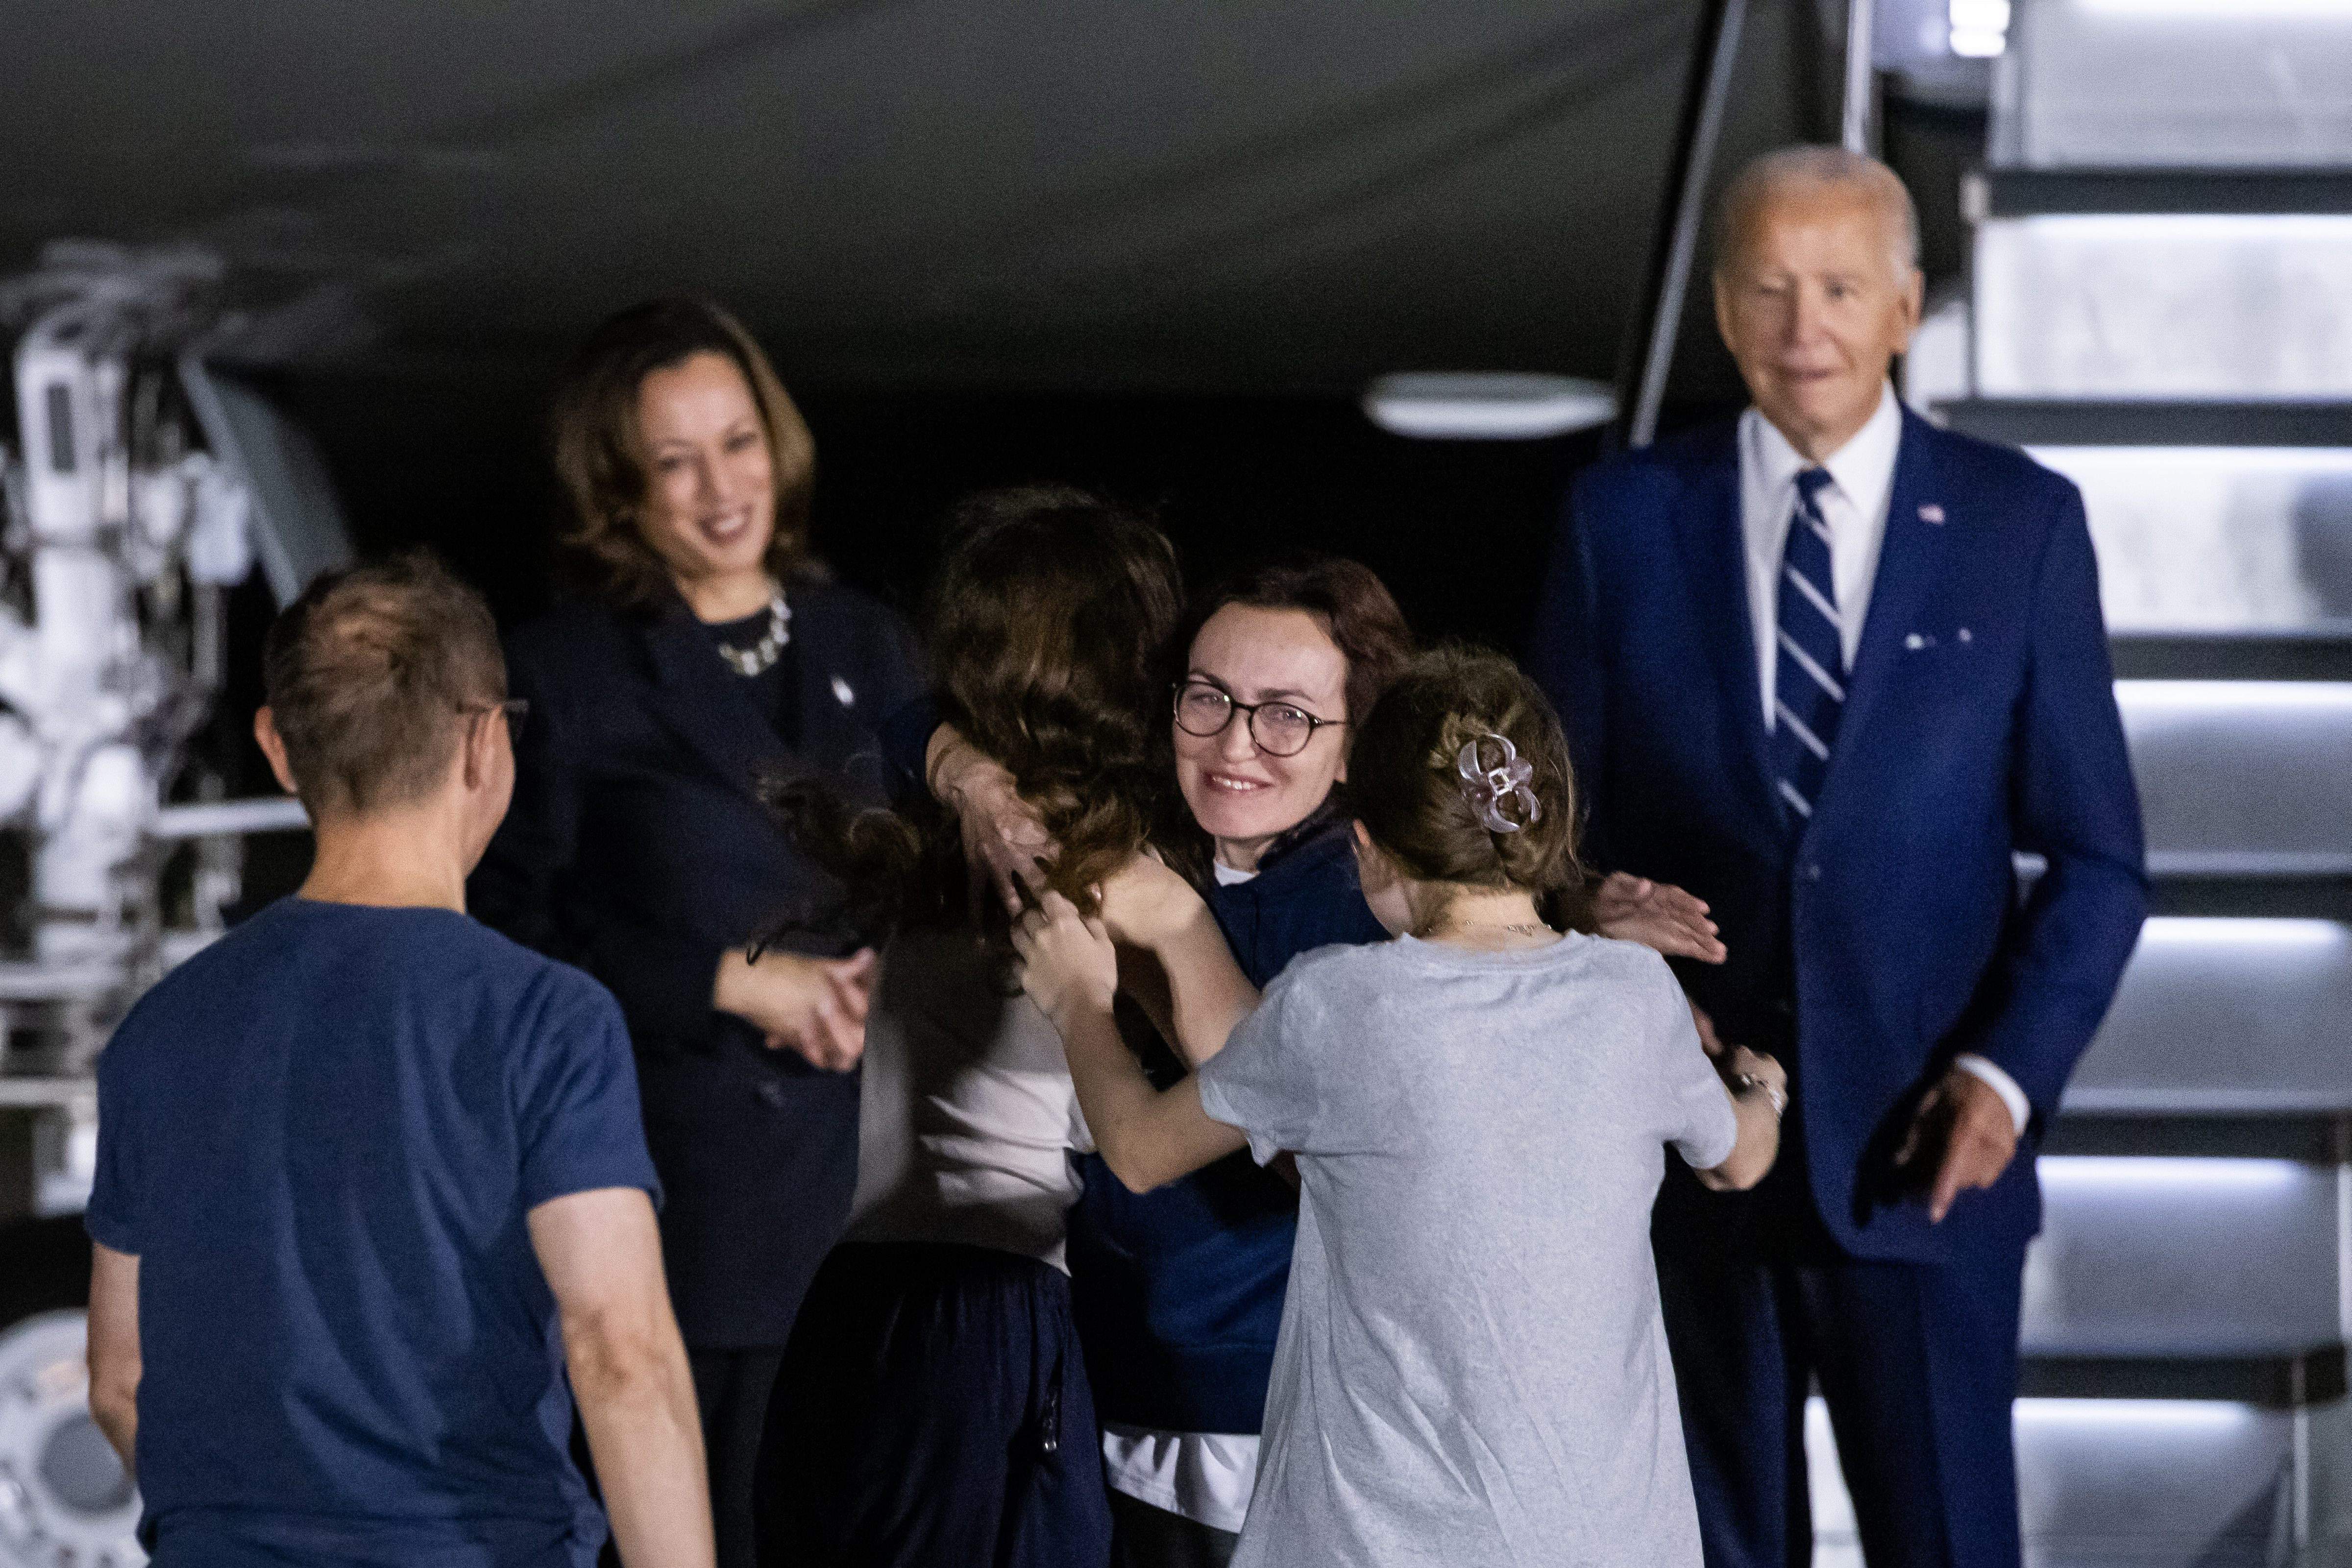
(1003, 840)
(817, 1007)
(1068, 966)
(1963, 1133)
(1656, 915)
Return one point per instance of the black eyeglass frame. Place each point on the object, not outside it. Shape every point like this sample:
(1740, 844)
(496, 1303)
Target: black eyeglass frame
(1249, 711)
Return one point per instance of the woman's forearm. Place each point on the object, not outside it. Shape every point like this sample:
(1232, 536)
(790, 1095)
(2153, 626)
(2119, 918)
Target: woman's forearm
(1209, 994)
(1758, 1145)
(1148, 1136)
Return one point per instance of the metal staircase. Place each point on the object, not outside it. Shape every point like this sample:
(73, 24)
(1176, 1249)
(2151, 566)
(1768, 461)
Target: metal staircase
(2160, 307)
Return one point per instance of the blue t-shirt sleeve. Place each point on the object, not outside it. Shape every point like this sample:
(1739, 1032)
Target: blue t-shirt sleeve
(579, 1128)
(1264, 1082)
(113, 1217)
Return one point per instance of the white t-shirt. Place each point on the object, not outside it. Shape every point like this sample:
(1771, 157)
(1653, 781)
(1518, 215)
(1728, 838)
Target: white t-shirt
(967, 1115)
(1473, 1369)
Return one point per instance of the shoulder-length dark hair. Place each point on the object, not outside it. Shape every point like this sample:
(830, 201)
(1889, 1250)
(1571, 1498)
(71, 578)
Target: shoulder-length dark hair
(1345, 597)
(1047, 623)
(1360, 615)
(601, 459)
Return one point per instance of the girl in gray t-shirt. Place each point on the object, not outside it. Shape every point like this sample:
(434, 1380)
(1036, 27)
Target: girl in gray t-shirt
(1473, 1366)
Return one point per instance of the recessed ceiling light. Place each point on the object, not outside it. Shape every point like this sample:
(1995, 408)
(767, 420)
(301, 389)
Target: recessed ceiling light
(1488, 405)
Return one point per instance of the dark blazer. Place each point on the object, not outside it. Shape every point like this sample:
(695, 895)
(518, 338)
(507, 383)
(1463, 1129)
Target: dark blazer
(1888, 935)
(637, 848)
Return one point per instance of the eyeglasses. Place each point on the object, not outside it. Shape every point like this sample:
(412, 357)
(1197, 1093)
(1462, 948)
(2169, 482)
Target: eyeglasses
(1279, 729)
(517, 709)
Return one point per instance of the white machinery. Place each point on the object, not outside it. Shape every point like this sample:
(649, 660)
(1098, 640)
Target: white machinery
(141, 487)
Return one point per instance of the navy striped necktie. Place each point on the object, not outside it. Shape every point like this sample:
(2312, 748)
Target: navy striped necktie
(1809, 674)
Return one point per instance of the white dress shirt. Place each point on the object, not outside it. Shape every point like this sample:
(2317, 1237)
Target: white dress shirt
(1853, 505)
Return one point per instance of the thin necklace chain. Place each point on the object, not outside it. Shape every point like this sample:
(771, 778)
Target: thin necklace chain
(762, 655)
(1519, 928)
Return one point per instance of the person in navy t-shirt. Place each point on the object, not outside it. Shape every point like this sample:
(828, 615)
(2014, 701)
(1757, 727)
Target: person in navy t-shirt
(372, 1178)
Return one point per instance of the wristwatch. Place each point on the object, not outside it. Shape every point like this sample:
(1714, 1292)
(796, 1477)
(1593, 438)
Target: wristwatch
(1741, 1082)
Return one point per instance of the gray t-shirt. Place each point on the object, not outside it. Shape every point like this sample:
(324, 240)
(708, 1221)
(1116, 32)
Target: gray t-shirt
(1473, 1367)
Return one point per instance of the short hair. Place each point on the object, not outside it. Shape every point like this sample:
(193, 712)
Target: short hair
(369, 674)
(601, 461)
(1772, 172)
(1349, 600)
(1406, 787)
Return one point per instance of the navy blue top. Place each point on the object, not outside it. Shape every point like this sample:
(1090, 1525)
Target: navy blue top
(321, 1137)
(1177, 1293)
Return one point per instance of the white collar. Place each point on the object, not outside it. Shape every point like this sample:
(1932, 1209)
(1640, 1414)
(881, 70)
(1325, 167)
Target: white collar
(1863, 469)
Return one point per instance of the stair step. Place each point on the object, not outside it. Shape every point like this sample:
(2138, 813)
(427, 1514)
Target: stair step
(2242, 778)
(2279, 992)
(2283, 1382)
(2232, 656)
(2191, 1125)
(2150, 422)
(2217, 539)
(2199, 1261)
(2027, 192)
(2167, 305)
(2209, 893)
(2226, 83)
(2117, 1484)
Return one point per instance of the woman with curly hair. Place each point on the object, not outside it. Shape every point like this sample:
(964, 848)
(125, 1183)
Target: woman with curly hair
(933, 1409)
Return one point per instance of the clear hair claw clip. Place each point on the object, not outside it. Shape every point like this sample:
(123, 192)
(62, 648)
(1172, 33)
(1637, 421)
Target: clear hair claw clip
(1493, 774)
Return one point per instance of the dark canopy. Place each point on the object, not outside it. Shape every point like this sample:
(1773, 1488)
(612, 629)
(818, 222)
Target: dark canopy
(1217, 195)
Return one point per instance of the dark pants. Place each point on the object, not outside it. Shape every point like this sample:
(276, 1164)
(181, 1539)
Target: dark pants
(1143, 1536)
(1918, 1366)
(932, 1412)
(732, 1387)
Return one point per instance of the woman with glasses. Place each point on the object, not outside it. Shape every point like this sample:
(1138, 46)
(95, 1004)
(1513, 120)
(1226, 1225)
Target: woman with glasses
(707, 656)
(1177, 1293)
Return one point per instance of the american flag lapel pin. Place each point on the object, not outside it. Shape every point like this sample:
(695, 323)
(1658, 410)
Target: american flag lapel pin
(1931, 513)
(842, 694)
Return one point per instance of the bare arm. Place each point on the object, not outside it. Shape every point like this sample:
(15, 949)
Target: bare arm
(1148, 906)
(1148, 1136)
(1754, 1104)
(602, 1255)
(114, 1363)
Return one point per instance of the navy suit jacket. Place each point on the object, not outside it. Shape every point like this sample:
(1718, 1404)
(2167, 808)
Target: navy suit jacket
(638, 848)
(1887, 935)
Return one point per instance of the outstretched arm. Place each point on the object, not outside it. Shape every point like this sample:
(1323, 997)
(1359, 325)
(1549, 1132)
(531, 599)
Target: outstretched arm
(1148, 907)
(1758, 1087)
(1148, 1136)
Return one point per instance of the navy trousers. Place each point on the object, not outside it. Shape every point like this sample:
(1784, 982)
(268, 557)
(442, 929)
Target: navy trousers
(1918, 1366)
(932, 1412)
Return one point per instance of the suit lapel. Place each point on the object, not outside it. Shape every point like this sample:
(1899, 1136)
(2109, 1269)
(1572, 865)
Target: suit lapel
(1716, 547)
(1911, 562)
(709, 705)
